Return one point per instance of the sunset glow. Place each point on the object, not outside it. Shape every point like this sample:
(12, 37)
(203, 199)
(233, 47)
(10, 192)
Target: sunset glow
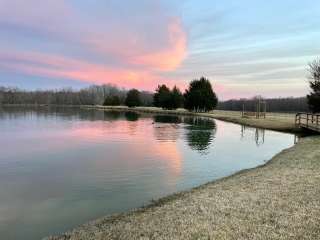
(245, 49)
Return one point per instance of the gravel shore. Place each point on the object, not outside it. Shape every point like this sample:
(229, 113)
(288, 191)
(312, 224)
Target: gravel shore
(280, 200)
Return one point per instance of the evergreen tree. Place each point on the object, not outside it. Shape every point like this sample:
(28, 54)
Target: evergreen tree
(177, 98)
(133, 98)
(167, 99)
(162, 97)
(200, 96)
(314, 96)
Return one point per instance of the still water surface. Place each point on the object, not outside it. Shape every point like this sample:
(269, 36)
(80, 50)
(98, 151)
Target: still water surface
(61, 167)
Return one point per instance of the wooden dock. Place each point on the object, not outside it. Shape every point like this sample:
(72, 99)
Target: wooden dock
(308, 121)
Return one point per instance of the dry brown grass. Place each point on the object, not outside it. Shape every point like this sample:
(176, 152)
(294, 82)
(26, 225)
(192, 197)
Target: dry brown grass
(280, 200)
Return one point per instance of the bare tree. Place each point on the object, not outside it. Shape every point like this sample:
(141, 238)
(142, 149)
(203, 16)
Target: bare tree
(314, 82)
(67, 96)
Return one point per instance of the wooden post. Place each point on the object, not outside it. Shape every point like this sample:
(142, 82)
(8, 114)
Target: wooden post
(299, 119)
(259, 108)
(243, 110)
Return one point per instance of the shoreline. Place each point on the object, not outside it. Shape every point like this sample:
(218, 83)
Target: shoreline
(212, 210)
(154, 220)
(273, 121)
(281, 122)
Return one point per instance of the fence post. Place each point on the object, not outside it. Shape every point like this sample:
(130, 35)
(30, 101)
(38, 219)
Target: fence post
(299, 119)
(243, 110)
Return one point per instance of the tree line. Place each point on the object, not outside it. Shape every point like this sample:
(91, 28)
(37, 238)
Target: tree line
(301, 104)
(199, 97)
(196, 97)
(93, 95)
(289, 104)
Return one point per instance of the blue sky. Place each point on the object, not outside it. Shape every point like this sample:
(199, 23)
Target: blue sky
(245, 48)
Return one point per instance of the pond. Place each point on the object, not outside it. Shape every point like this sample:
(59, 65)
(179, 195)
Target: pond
(61, 167)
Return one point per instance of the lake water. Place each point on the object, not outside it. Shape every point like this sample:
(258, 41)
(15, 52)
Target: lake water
(62, 167)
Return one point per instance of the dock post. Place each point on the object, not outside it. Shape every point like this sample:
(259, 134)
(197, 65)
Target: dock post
(243, 110)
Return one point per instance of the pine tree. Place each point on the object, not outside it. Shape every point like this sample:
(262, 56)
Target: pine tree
(162, 97)
(133, 98)
(200, 96)
(177, 98)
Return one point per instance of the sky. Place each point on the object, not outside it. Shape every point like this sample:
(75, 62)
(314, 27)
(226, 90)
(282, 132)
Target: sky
(245, 48)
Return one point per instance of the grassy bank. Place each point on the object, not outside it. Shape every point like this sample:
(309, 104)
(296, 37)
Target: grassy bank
(280, 200)
(274, 121)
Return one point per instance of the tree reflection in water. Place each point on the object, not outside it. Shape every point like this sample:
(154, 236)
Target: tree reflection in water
(200, 133)
(167, 119)
(112, 115)
(131, 116)
(168, 129)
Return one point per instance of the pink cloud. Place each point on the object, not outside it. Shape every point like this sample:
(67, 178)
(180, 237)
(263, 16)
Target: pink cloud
(171, 57)
(52, 66)
(123, 53)
(132, 49)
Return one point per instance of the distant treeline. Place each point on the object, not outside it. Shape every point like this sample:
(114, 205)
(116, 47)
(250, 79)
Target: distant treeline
(198, 97)
(88, 96)
(98, 94)
(290, 104)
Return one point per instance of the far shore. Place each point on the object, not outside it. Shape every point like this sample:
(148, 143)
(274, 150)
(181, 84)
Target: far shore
(283, 122)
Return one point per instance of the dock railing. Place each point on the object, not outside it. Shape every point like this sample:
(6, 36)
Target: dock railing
(310, 121)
